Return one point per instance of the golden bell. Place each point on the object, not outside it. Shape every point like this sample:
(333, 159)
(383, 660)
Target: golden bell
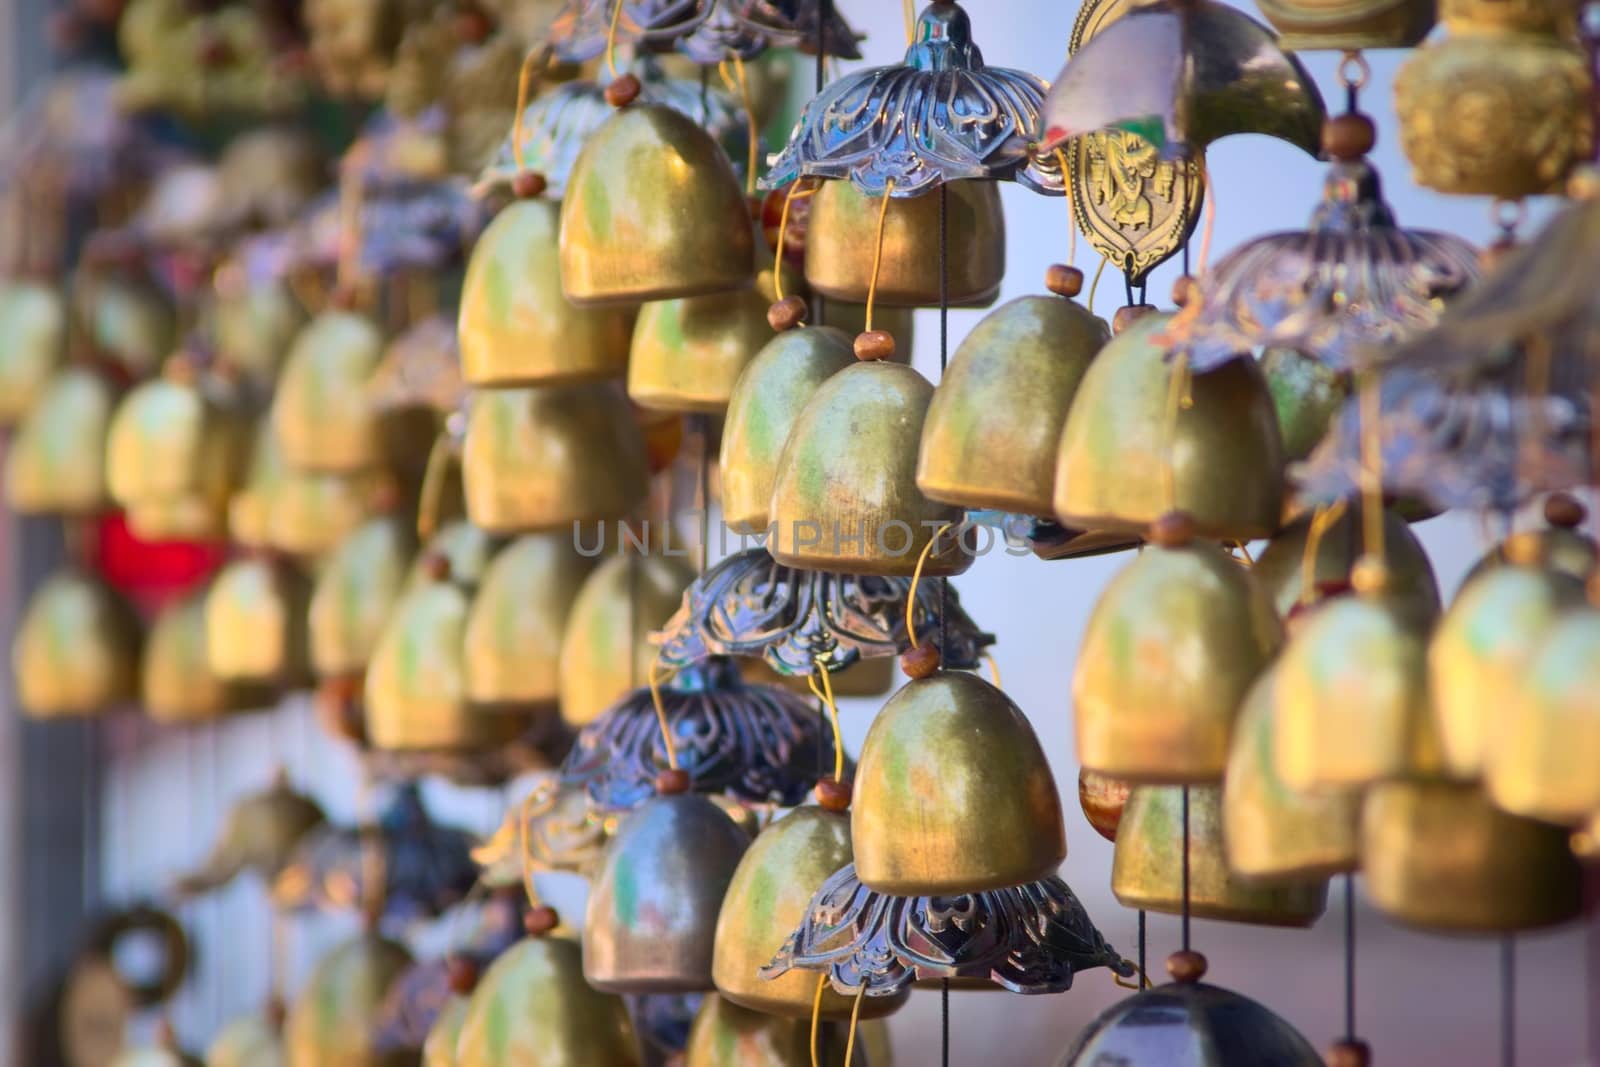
(513, 634)
(653, 909)
(354, 592)
(687, 354)
(320, 410)
(254, 324)
(34, 324)
(768, 897)
(1280, 568)
(842, 234)
(727, 1035)
(465, 547)
(1126, 457)
(258, 835)
(302, 513)
(534, 1007)
(330, 1023)
(439, 1047)
(249, 1041)
(1348, 25)
(176, 679)
(256, 622)
(541, 459)
(56, 463)
(1147, 864)
(1273, 833)
(1543, 763)
(1567, 551)
(953, 793)
(76, 651)
(993, 428)
(1307, 395)
(653, 211)
(764, 407)
(845, 497)
(129, 323)
(606, 650)
(1529, 16)
(1171, 648)
(1479, 655)
(516, 326)
(1439, 855)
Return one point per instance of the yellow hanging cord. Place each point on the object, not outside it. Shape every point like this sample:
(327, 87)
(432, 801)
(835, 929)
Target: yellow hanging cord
(1321, 522)
(1140, 979)
(1177, 399)
(611, 38)
(916, 576)
(661, 709)
(855, 1015)
(1072, 217)
(1244, 551)
(352, 194)
(537, 57)
(911, 21)
(794, 193)
(1209, 214)
(994, 669)
(741, 87)
(816, 1016)
(1371, 467)
(825, 694)
(524, 812)
(877, 250)
(1095, 285)
(430, 498)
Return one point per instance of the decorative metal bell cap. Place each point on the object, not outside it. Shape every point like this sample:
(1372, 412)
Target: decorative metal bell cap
(76, 651)
(330, 1021)
(1562, 544)
(653, 211)
(845, 225)
(543, 459)
(857, 509)
(606, 651)
(688, 354)
(991, 436)
(1163, 822)
(1440, 856)
(1188, 1023)
(516, 326)
(1125, 459)
(35, 319)
(800, 621)
(984, 813)
(904, 130)
(533, 1005)
(758, 744)
(1181, 75)
(1280, 568)
(1274, 834)
(727, 1035)
(355, 590)
(251, 1040)
(320, 410)
(1479, 654)
(1171, 648)
(708, 34)
(259, 835)
(56, 462)
(176, 682)
(1317, 25)
(256, 622)
(652, 912)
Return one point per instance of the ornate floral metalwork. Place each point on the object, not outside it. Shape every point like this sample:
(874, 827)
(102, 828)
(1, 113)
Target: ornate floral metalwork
(1029, 939)
(755, 743)
(940, 116)
(1342, 292)
(707, 31)
(750, 605)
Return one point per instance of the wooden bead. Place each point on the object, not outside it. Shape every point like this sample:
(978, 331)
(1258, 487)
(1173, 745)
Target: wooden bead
(623, 91)
(874, 344)
(1348, 137)
(1350, 1054)
(277, 1012)
(1127, 316)
(540, 920)
(833, 794)
(1186, 965)
(1369, 576)
(462, 975)
(1184, 290)
(921, 661)
(473, 25)
(1063, 280)
(437, 567)
(786, 314)
(528, 184)
(1175, 529)
(1564, 510)
(672, 781)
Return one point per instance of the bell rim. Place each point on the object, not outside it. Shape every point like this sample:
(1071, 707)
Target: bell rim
(616, 297)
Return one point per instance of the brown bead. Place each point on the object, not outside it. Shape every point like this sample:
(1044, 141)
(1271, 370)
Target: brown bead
(672, 781)
(1493, 253)
(339, 710)
(277, 1012)
(1127, 316)
(786, 314)
(1184, 290)
(437, 567)
(473, 25)
(874, 344)
(1175, 529)
(833, 794)
(1102, 799)
(528, 184)
(1186, 965)
(1369, 576)
(623, 91)
(345, 298)
(1063, 280)
(1348, 137)
(921, 661)
(463, 975)
(540, 920)
(1349, 1054)
(1564, 510)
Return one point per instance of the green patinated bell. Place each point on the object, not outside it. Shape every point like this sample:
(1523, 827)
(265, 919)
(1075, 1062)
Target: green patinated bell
(512, 642)
(56, 463)
(1280, 568)
(606, 650)
(330, 1023)
(34, 322)
(320, 410)
(687, 354)
(256, 623)
(439, 1047)
(76, 650)
(1306, 395)
(354, 593)
(176, 680)
(126, 322)
(249, 1041)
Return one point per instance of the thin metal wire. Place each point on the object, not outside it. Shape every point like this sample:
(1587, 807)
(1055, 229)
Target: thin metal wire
(1142, 936)
(819, 303)
(944, 1021)
(944, 360)
(1508, 1001)
(1350, 957)
(1186, 868)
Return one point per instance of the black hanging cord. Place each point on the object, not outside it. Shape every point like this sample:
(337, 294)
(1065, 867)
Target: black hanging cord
(819, 303)
(1142, 973)
(1186, 868)
(944, 359)
(944, 1020)
(1350, 957)
(702, 425)
(1508, 1001)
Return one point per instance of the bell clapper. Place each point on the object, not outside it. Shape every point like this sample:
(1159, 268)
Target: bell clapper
(1186, 966)
(540, 920)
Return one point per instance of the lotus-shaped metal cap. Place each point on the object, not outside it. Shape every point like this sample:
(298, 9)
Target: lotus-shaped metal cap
(939, 116)
(330, 1022)
(707, 32)
(258, 835)
(1181, 74)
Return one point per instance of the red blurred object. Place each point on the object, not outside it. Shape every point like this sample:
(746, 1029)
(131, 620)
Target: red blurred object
(152, 573)
(794, 233)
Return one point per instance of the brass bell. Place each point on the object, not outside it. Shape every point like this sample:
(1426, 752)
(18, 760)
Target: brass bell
(993, 428)
(727, 1035)
(512, 641)
(1564, 549)
(76, 651)
(1337, 26)
(653, 909)
(258, 835)
(254, 324)
(516, 326)
(841, 234)
(175, 677)
(533, 1006)
(320, 410)
(540, 459)
(256, 622)
(652, 212)
(1307, 395)
(128, 322)
(1147, 864)
(1171, 648)
(1534, 16)
(330, 1022)
(439, 1047)
(249, 1041)
(34, 323)
(845, 497)
(56, 462)
(606, 651)
(1126, 457)
(687, 354)
(465, 547)
(301, 513)
(354, 593)
(1280, 567)
(953, 793)
(1480, 652)
(1273, 833)
(768, 897)
(1439, 855)
(764, 407)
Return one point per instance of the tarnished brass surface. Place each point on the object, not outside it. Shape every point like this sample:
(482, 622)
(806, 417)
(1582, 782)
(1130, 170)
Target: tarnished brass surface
(56, 464)
(726, 1035)
(512, 642)
(1566, 550)
(687, 354)
(254, 324)
(76, 650)
(320, 409)
(34, 321)
(354, 593)
(131, 323)
(256, 622)
(1306, 395)
(330, 1021)
(176, 682)
(606, 650)
(174, 455)
(1556, 17)
(1348, 25)
(1280, 568)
